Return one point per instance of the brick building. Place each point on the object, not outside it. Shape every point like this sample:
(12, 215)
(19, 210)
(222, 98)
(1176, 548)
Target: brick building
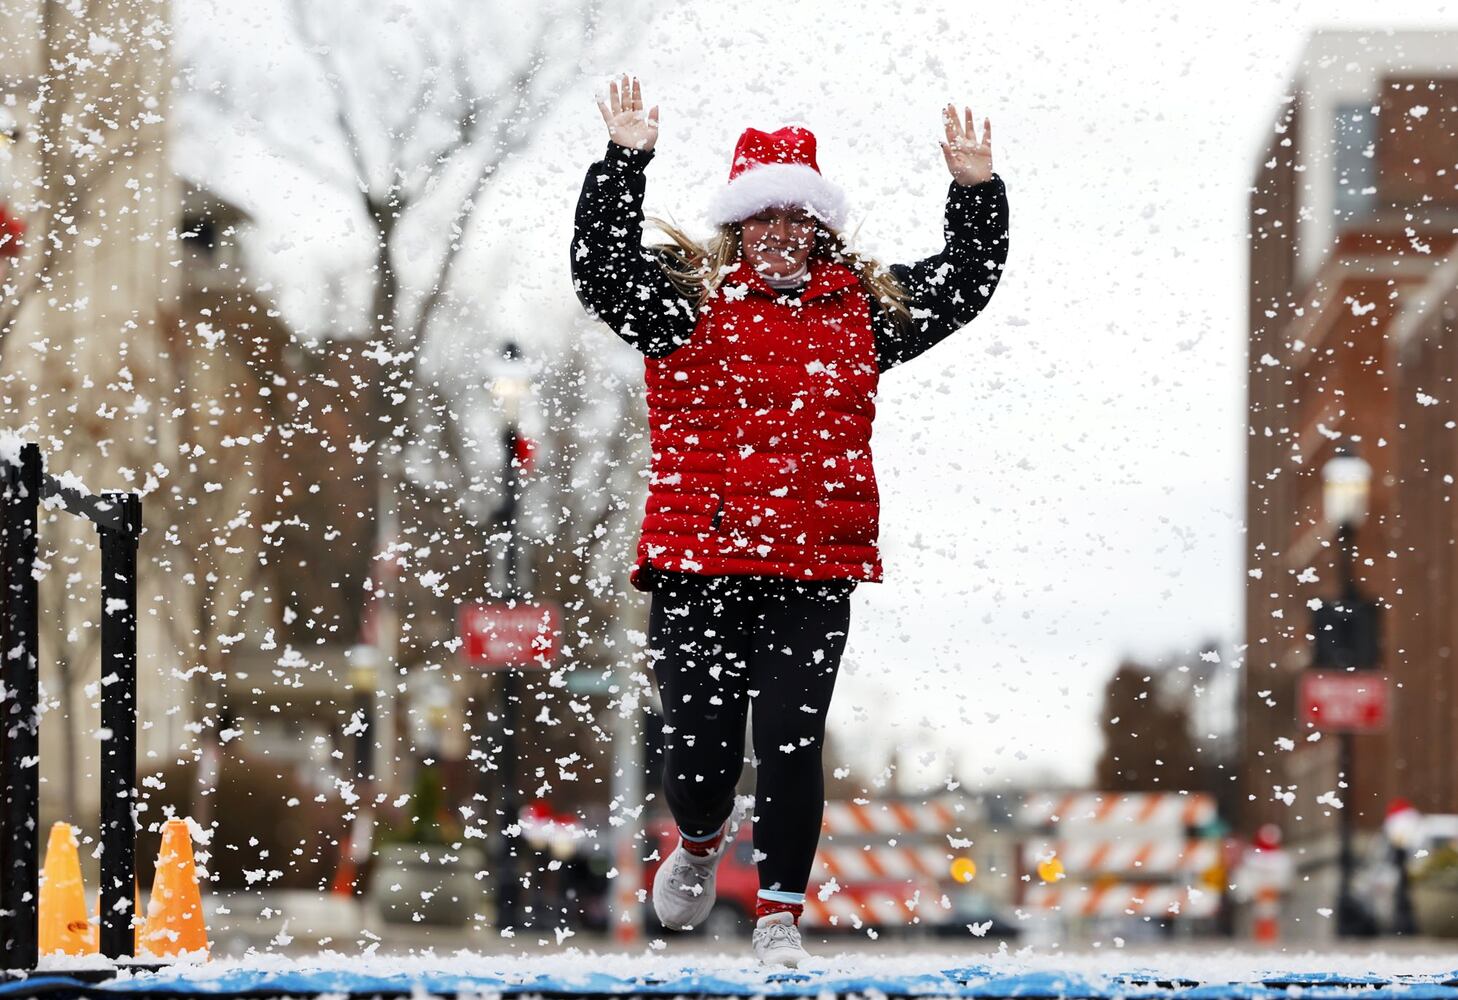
(83, 329)
(1352, 295)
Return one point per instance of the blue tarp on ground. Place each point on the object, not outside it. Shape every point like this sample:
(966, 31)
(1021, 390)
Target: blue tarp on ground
(970, 981)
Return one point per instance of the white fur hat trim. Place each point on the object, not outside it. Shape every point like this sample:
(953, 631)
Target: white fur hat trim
(779, 185)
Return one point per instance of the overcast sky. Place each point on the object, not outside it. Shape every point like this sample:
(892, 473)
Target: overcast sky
(1061, 482)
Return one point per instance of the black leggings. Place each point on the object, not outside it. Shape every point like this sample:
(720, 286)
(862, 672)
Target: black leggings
(717, 644)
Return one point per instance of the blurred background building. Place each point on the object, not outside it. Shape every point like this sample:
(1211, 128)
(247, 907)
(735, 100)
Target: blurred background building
(85, 323)
(1353, 287)
(329, 485)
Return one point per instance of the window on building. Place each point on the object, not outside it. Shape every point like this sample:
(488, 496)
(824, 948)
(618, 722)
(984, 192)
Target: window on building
(1354, 157)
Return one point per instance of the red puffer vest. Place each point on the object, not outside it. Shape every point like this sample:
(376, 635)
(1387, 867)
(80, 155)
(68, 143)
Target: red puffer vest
(761, 436)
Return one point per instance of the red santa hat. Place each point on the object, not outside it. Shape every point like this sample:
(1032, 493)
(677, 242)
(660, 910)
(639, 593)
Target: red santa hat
(777, 170)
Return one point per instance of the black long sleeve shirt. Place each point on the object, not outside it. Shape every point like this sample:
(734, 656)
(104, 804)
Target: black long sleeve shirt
(623, 284)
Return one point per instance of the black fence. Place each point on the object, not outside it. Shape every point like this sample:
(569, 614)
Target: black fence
(24, 486)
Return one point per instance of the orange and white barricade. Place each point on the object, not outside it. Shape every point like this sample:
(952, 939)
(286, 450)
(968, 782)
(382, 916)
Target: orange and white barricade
(1145, 857)
(1068, 810)
(862, 817)
(883, 863)
(1263, 878)
(888, 904)
(1109, 855)
(887, 862)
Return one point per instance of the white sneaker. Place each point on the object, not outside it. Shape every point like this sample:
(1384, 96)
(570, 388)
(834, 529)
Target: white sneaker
(684, 885)
(777, 941)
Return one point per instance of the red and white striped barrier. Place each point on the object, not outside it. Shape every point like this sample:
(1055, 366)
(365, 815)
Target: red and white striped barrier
(1150, 809)
(1120, 854)
(886, 863)
(1120, 899)
(882, 863)
(889, 905)
(1128, 855)
(851, 818)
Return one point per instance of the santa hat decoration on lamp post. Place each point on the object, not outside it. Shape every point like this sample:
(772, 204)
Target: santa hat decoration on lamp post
(12, 233)
(1402, 824)
(1267, 837)
(511, 385)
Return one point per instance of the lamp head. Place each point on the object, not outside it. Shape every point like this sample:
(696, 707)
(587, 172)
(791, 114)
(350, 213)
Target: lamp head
(1346, 484)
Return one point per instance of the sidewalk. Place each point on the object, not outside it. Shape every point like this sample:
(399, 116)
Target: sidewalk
(306, 923)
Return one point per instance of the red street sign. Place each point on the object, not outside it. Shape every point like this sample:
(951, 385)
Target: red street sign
(1344, 703)
(509, 635)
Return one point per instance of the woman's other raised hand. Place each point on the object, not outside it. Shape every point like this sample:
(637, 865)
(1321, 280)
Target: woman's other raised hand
(623, 113)
(968, 158)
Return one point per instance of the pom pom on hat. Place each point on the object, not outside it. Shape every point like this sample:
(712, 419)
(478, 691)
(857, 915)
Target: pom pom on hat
(777, 170)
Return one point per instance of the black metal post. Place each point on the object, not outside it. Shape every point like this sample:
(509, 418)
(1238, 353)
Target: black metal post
(118, 519)
(20, 719)
(9, 477)
(506, 867)
(1344, 561)
(119, 724)
(507, 862)
(364, 750)
(511, 480)
(1351, 919)
(1404, 920)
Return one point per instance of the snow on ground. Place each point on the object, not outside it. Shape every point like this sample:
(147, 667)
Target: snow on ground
(574, 968)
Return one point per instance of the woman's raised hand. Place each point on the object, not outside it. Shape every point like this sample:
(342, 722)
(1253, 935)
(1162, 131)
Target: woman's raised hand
(623, 113)
(968, 158)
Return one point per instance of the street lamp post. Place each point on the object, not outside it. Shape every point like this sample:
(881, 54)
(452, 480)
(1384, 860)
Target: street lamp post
(1346, 487)
(365, 665)
(1403, 828)
(509, 388)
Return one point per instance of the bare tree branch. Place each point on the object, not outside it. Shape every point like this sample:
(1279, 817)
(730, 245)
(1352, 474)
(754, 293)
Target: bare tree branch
(467, 121)
(425, 98)
(276, 141)
(451, 121)
(505, 144)
(320, 52)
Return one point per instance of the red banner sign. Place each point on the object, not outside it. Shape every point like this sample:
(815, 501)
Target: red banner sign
(1345, 702)
(510, 635)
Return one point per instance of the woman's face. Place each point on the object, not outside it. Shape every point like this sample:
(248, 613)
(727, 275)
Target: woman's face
(777, 242)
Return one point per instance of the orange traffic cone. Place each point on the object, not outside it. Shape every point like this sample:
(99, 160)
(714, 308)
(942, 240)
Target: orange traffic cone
(64, 928)
(174, 913)
(353, 854)
(1267, 928)
(347, 874)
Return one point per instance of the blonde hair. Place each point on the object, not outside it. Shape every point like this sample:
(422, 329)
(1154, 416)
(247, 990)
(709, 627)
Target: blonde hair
(698, 269)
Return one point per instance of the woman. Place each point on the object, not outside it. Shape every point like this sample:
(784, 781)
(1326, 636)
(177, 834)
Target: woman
(762, 350)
